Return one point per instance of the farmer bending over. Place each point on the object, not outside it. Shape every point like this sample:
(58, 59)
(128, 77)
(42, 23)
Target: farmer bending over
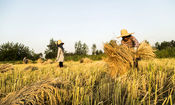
(25, 60)
(130, 41)
(60, 54)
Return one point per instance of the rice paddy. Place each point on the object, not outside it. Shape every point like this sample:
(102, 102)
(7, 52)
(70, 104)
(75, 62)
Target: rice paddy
(89, 84)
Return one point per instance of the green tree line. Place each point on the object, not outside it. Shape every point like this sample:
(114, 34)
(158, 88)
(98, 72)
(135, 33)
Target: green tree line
(81, 51)
(16, 51)
(165, 49)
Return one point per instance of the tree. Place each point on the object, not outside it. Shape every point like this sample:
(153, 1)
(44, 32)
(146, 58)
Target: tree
(81, 48)
(78, 48)
(51, 51)
(99, 52)
(36, 56)
(164, 45)
(157, 45)
(94, 49)
(172, 43)
(15, 51)
(85, 49)
(165, 49)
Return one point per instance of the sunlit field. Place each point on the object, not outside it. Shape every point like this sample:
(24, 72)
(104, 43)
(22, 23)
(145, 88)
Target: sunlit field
(88, 84)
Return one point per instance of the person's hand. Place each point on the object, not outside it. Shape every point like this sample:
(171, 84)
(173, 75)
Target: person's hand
(135, 48)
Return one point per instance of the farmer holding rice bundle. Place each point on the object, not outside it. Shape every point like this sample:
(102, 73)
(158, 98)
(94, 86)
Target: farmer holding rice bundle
(60, 54)
(122, 58)
(130, 41)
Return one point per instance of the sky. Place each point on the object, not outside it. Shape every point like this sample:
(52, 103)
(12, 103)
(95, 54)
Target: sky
(34, 22)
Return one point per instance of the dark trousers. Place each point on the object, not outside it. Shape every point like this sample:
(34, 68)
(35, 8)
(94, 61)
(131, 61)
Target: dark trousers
(136, 63)
(61, 64)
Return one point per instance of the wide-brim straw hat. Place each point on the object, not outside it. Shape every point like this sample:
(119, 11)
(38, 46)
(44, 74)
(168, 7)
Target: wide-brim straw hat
(59, 42)
(124, 32)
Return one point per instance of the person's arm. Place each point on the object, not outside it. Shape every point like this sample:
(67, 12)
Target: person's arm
(135, 41)
(122, 42)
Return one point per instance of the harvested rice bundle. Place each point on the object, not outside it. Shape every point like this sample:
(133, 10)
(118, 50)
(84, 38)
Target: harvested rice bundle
(145, 51)
(40, 60)
(119, 53)
(49, 61)
(117, 68)
(41, 93)
(6, 67)
(33, 68)
(120, 57)
(85, 60)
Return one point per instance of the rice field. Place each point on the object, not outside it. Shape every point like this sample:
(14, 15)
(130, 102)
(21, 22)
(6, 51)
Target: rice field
(88, 83)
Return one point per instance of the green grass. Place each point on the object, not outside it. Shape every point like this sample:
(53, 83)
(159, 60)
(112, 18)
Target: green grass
(91, 84)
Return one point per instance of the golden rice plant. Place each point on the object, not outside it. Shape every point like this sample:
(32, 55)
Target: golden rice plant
(49, 61)
(121, 58)
(145, 51)
(40, 60)
(89, 84)
(6, 67)
(31, 68)
(85, 60)
(40, 93)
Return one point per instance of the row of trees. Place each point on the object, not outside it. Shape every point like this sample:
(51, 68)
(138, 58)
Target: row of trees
(80, 49)
(165, 49)
(165, 44)
(15, 51)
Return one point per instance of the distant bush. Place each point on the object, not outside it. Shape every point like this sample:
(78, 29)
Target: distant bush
(51, 51)
(165, 44)
(16, 51)
(165, 49)
(166, 53)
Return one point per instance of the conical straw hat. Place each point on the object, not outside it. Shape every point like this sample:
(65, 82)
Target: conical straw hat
(124, 32)
(59, 42)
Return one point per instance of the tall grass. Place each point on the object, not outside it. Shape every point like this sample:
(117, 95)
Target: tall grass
(89, 84)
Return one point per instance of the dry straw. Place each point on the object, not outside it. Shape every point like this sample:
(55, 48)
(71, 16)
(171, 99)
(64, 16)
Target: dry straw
(40, 93)
(49, 61)
(6, 67)
(121, 58)
(33, 68)
(145, 51)
(85, 60)
(40, 60)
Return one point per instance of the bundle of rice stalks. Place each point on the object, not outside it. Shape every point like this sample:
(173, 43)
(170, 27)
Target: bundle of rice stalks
(119, 57)
(30, 61)
(33, 68)
(145, 51)
(49, 61)
(40, 60)
(6, 67)
(41, 93)
(85, 60)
